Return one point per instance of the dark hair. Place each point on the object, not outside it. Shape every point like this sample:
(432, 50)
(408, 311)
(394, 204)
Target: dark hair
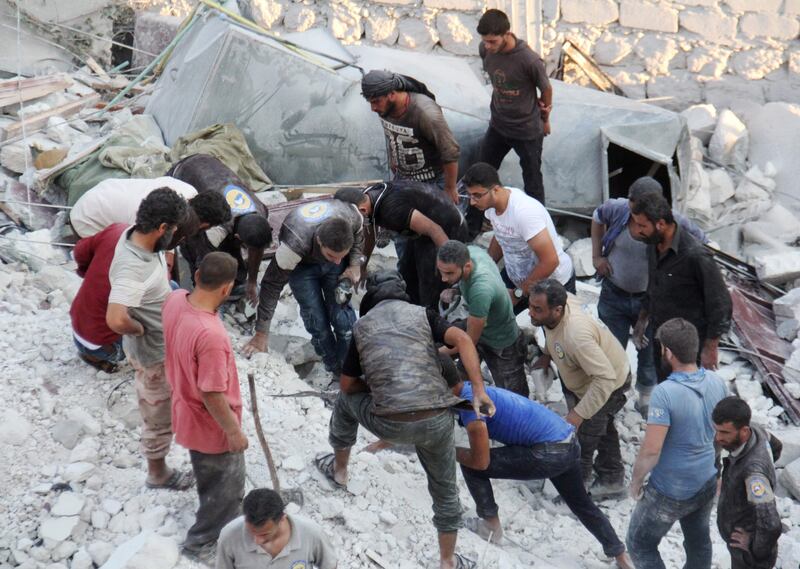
(351, 195)
(453, 253)
(216, 269)
(493, 22)
(254, 230)
(554, 292)
(642, 186)
(335, 234)
(211, 208)
(680, 337)
(653, 206)
(262, 505)
(481, 174)
(163, 205)
(732, 410)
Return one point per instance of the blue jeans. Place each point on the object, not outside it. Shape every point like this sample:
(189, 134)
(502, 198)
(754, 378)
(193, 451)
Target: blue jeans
(655, 514)
(111, 353)
(330, 324)
(560, 462)
(620, 311)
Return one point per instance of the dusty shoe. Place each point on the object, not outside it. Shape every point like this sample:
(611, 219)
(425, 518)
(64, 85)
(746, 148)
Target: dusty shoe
(206, 554)
(480, 527)
(642, 405)
(601, 489)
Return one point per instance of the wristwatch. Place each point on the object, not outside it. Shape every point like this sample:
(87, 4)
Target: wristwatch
(518, 293)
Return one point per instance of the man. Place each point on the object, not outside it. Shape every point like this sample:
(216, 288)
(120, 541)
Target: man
(206, 403)
(321, 243)
(678, 453)
(747, 517)
(414, 211)
(403, 397)
(621, 261)
(537, 444)
(683, 281)
(419, 143)
(269, 538)
(139, 287)
(97, 344)
(595, 375)
(247, 227)
(524, 235)
(520, 117)
(491, 323)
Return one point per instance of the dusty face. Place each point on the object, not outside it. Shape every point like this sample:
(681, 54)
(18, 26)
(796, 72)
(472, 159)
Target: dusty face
(165, 240)
(495, 43)
(451, 273)
(729, 437)
(480, 197)
(644, 230)
(266, 532)
(384, 105)
(541, 314)
(333, 256)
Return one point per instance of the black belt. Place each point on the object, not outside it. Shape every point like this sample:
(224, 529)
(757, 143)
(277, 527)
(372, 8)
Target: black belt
(616, 290)
(567, 442)
(411, 416)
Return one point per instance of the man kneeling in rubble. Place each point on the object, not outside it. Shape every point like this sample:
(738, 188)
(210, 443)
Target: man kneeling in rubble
(403, 397)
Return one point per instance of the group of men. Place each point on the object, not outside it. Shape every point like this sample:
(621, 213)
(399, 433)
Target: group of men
(395, 363)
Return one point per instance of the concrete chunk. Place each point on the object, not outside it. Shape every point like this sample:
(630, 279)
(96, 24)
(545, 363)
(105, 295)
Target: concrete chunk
(771, 26)
(709, 23)
(790, 479)
(595, 12)
(646, 16)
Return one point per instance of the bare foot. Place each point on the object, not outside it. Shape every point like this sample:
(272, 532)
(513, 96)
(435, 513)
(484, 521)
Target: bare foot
(490, 531)
(624, 561)
(377, 446)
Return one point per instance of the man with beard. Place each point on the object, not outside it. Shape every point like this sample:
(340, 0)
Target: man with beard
(747, 517)
(595, 375)
(678, 453)
(419, 142)
(684, 281)
(139, 286)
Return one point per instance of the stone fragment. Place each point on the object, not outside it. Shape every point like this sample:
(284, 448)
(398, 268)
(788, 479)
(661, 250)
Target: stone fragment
(721, 186)
(457, 32)
(111, 506)
(100, 519)
(382, 28)
(701, 120)
(329, 507)
(81, 560)
(756, 63)
(156, 551)
(462, 5)
(14, 428)
(755, 186)
(675, 91)
(267, 13)
(790, 437)
(16, 157)
(647, 16)
(787, 329)
(344, 21)
(78, 471)
(754, 5)
(68, 504)
(730, 142)
(299, 17)
(732, 90)
(63, 550)
(706, 62)
(100, 551)
(388, 518)
(595, 12)
(153, 518)
(416, 34)
(580, 252)
(771, 26)
(611, 49)
(58, 529)
(710, 24)
(790, 478)
(294, 462)
(656, 52)
(86, 451)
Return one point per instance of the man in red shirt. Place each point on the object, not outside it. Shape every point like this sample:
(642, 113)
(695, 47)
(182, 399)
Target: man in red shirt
(206, 402)
(97, 344)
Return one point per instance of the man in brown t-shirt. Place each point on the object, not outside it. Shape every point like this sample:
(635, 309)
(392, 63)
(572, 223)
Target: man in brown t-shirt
(520, 116)
(419, 142)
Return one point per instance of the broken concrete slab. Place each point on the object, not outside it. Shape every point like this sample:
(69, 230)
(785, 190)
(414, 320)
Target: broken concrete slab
(730, 142)
(152, 34)
(790, 478)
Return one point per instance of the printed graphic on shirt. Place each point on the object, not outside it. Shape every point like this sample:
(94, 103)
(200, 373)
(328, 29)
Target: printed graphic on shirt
(406, 156)
(239, 201)
(655, 413)
(315, 211)
(298, 565)
(759, 490)
(559, 351)
(506, 91)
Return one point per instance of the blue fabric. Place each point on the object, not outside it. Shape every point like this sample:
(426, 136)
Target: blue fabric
(684, 403)
(114, 356)
(518, 421)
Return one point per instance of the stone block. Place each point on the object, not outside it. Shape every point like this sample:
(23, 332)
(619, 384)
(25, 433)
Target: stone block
(708, 62)
(792, 7)
(267, 13)
(790, 478)
(611, 49)
(677, 90)
(344, 21)
(772, 26)
(646, 16)
(790, 437)
(730, 142)
(656, 53)
(382, 28)
(710, 24)
(457, 32)
(299, 18)
(551, 10)
(594, 12)
(462, 5)
(787, 91)
(152, 33)
(416, 34)
(756, 63)
(754, 5)
(701, 120)
(631, 80)
(724, 94)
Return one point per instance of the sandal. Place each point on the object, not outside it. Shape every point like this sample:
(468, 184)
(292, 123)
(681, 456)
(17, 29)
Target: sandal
(179, 480)
(324, 464)
(479, 527)
(464, 562)
(97, 363)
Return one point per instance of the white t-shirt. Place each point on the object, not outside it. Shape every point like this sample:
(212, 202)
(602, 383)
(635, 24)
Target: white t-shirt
(523, 218)
(116, 200)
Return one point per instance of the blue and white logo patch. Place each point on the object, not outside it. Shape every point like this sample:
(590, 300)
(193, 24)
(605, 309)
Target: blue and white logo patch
(238, 200)
(315, 211)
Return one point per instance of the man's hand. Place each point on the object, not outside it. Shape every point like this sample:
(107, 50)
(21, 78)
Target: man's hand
(636, 490)
(353, 272)
(449, 295)
(602, 266)
(546, 127)
(709, 355)
(640, 339)
(237, 442)
(740, 539)
(574, 419)
(251, 293)
(543, 362)
(453, 193)
(444, 350)
(257, 344)
(483, 405)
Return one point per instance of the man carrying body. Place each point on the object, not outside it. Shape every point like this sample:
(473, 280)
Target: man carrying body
(403, 397)
(320, 244)
(520, 116)
(491, 324)
(684, 280)
(595, 375)
(524, 235)
(747, 517)
(621, 261)
(537, 445)
(206, 403)
(139, 286)
(268, 538)
(419, 213)
(678, 453)
(419, 143)
(248, 227)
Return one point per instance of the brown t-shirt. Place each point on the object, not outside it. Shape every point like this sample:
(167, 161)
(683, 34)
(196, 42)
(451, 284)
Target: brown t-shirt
(515, 76)
(419, 142)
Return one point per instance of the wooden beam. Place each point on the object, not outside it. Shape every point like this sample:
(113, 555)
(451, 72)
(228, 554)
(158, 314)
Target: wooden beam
(38, 120)
(13, 90)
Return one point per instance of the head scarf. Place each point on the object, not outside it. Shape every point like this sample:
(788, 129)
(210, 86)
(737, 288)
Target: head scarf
(378, 83)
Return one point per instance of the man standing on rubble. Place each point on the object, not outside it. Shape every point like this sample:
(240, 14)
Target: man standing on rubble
(139, 286)
(491, 323)
(595, 376)
(684, 281)
(524, 235)
(520, 115)
(419, 142)
(403, 397)
(621, 262)
(247, 227)
(423, 215)
(321, 244)
(206, 403)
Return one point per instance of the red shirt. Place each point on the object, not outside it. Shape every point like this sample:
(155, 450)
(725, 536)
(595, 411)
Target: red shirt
(199, 359)
(88, 311)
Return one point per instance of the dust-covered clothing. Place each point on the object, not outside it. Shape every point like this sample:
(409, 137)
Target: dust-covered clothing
(153, 394)
(419, 142)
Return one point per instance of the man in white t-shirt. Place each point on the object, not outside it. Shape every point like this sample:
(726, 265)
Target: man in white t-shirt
(524, 234)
